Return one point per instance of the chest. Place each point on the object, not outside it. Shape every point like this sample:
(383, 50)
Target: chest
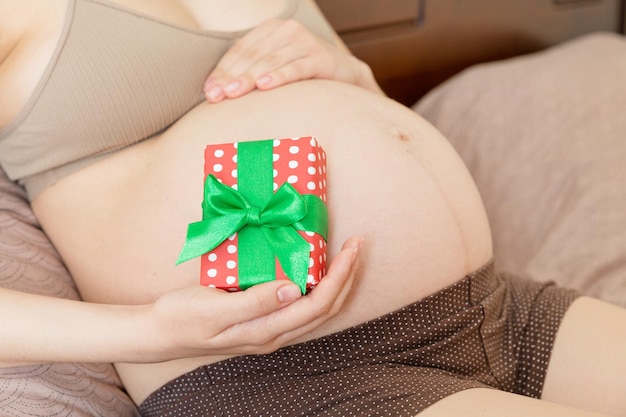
(219, 15)
(21, 71)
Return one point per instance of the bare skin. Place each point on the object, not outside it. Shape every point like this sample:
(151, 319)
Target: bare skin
(585, 376)
(393, 179)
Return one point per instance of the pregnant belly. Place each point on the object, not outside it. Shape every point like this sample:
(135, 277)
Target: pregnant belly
(392, 178)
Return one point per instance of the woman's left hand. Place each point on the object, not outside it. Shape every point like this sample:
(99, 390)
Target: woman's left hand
(279, 52)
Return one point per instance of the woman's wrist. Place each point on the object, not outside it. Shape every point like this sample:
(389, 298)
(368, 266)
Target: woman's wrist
(41, 329)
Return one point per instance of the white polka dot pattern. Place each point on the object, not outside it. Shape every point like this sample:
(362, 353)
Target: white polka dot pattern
(488, 330)
(299, 161)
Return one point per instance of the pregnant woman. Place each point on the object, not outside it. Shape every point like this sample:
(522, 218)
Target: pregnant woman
(106, 107)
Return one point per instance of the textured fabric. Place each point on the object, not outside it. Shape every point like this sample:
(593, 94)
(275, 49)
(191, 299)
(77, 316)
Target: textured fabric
(543, 136)
(29, 263)
(487, 330)
(116, 78)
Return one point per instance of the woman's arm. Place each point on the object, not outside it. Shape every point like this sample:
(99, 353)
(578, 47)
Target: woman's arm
(194, 321)
(10, 36)
(38, 328)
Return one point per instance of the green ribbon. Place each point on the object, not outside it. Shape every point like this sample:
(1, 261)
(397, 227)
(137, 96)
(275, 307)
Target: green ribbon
(267, 223)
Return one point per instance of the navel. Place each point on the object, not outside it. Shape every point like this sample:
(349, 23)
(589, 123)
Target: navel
(401, 134)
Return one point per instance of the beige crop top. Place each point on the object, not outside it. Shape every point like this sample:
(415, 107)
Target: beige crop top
(117, 77)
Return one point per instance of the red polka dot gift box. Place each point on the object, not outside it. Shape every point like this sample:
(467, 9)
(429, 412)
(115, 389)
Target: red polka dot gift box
(264, 214)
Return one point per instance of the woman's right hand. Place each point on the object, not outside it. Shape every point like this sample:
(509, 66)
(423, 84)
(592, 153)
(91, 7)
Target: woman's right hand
(278, 52)
(188, 322)
(199, 321)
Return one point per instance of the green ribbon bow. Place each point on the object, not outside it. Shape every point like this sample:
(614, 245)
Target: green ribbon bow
(267, 223)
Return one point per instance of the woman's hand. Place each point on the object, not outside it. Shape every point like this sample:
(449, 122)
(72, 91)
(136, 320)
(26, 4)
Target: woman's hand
(194, 321)
(279, 52)
(200, 321)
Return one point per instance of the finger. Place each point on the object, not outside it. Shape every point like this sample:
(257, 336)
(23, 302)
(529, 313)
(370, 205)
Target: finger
(280, 67)
(251, 41)
(307, 313)
(302, 68)
(274, 45)
(324, 306)
(341, 278)
(222, 85)
(229, 88)
(233, 82)
(257, 301)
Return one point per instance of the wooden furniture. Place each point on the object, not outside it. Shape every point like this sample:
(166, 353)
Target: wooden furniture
(413, 45)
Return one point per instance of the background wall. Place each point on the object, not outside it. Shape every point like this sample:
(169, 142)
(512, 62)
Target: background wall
(413, 45)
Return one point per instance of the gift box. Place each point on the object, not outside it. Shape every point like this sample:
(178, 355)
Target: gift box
(264, 214)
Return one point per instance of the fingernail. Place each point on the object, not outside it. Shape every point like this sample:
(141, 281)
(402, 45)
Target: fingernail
(232, 87)
(355, 251)
(208, 84)
(288, 293)
(264, 80)
(214, 93)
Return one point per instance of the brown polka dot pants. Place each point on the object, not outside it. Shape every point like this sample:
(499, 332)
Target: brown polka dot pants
(487, 330)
